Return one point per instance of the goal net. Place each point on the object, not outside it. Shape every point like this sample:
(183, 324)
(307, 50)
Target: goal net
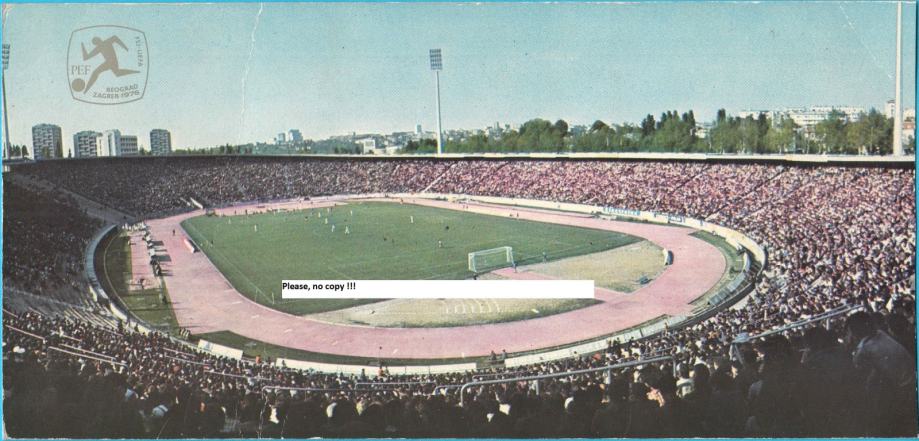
(487, 260)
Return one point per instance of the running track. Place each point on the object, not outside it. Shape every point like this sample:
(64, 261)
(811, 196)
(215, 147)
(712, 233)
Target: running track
(205, 302)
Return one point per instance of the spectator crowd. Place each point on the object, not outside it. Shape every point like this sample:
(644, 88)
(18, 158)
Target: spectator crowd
(835, 236)
(150, 186)
(46, 237)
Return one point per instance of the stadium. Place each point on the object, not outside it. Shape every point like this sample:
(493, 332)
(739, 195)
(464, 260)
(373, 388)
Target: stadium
(774, 295)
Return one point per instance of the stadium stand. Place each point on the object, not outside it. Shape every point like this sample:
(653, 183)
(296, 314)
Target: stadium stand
(146, 188)
(46, 254)
(841, 245)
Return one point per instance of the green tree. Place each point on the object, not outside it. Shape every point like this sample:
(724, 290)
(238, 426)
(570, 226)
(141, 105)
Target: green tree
(750, 136)
(648, 125)
(871, 134)
(561, 127)
(781, 137)
(473, 144)
(726, 136)
(597, 139)
(598, 126)
(831, 133)
(539, 135)
(425, 146)
(675, 133)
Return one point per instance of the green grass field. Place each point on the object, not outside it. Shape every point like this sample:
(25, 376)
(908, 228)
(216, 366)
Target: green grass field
(382, 245)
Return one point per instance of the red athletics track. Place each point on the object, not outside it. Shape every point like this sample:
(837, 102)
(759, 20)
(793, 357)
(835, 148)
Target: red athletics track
(205, 302)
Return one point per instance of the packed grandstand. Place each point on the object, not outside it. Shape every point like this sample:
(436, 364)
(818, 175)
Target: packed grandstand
(838, 237)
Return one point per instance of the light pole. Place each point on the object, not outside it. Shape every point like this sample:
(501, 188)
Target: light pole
(6, 122)
(897, 120)
(437, 66)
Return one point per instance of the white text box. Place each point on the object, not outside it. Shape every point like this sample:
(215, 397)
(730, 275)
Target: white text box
(437, 289)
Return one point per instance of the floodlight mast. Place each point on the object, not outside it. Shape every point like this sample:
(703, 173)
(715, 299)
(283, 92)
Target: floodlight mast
(437, 66)
(897, 118)
(6, 122)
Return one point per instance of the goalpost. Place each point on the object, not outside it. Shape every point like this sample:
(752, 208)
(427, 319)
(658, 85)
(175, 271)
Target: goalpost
(487, 260)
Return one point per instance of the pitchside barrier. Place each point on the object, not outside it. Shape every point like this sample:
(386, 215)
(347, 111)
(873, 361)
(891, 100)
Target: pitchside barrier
(774, 158)
(826, 317)
(308, 389)
(301, 201)
(370, 385)
(85, 356)
(535, 379)
(89, 265)
(372, 371)
(224, 351)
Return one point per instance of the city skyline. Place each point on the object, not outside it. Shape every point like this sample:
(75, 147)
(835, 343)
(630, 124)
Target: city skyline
(244, 75)
(805, 117)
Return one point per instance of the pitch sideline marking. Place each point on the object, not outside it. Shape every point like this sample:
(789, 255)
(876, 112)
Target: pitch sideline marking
(238, 270)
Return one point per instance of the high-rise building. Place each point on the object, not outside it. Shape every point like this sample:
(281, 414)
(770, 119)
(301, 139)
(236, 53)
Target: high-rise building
(87, 144)
(806, 118)
(281, 139)
(890, 108)
(368, 145)
(128, 146)
(116, 144)
(111, 143)
(294, 136)
(47, 142)
(160, 142)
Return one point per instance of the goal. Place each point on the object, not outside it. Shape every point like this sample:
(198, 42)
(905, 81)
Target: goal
(487, 260)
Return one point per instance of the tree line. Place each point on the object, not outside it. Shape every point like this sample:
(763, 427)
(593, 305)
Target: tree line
(19, 151)
(868, 133)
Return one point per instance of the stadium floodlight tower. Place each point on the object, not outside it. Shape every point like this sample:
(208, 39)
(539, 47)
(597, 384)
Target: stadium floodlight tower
(437, 65)
(897, 118)
(7, 147)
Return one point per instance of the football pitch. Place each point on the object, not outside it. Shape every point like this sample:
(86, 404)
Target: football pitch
(384, 241)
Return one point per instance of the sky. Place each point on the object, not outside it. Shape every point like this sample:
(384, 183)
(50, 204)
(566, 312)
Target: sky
(243, 72)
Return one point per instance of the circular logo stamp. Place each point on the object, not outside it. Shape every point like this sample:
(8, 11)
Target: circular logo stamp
(107, 64)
